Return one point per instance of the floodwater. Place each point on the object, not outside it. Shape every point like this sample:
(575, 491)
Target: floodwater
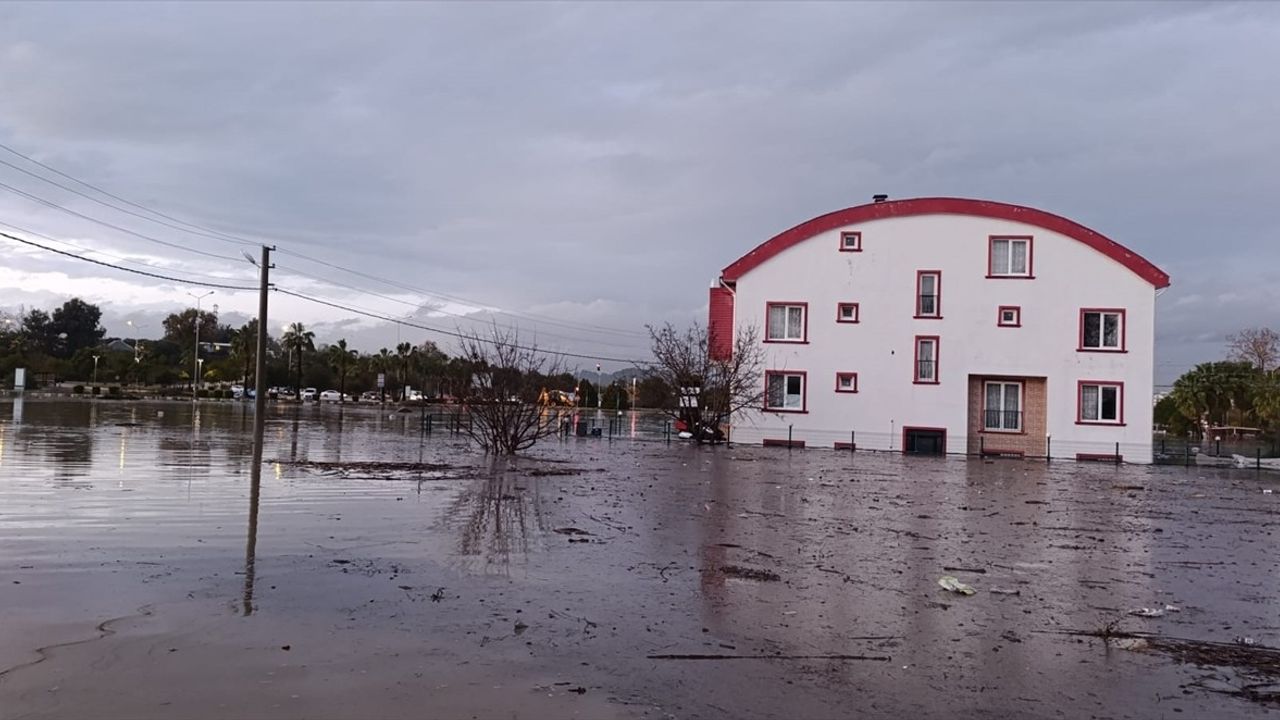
(389, 573)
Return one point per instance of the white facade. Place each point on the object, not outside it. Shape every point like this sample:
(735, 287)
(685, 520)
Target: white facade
(1065, 400)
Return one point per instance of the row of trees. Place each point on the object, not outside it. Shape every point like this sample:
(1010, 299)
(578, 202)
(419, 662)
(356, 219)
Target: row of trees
(1241, 391)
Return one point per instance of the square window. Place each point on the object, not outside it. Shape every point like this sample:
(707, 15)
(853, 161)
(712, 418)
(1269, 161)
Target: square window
(784, 391)
(850, 241)
(1009, 316)
(1002, 411)
(1101, 403)
(1009, 257)
(786, 322)
(1102, 330)
(847, 382)
(847, 312)
(926, 359)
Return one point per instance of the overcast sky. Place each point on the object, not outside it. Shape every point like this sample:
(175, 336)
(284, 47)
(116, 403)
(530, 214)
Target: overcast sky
(598, 164)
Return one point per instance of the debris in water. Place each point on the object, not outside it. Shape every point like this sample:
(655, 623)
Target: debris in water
(438, 595)
(570, 531)
(1148, 612)
(950, 583)
(1004, 591)
(747, 573)
(520, 627)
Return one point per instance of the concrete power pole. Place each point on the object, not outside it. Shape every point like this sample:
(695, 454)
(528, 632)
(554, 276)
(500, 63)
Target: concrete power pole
(259, 427)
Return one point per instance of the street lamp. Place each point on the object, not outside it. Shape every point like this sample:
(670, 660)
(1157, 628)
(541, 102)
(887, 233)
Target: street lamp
(197, 353)
(200, 368)
(95, 370)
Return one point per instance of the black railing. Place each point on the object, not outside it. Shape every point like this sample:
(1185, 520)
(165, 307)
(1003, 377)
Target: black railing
(925, 370)
(1002, 420)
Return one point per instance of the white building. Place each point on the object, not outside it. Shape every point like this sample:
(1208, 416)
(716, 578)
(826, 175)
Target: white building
(947, 325)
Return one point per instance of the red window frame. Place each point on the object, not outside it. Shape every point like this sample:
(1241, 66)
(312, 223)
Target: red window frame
(1124, 330)
(937, 298)
(804, 335)
(857, 312)
(804, 391)
(991, 247)
(937, 364)
(1017, 316)
(841, 375)
(856, 236)
(1118, 384)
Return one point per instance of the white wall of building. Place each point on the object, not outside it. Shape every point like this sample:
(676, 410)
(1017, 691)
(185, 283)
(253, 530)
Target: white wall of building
(1069, 275)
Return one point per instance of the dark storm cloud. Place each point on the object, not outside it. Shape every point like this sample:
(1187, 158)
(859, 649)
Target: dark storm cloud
(604, 161)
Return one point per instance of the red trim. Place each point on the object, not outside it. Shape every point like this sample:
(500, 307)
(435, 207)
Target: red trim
(720, 324)
(992, 452)
(853, 234)
(857, 312)
(804, 335)
(844, 446)
(1017, 316)
(915, 362)
(906, 428)
(804, 391)
(946, 206)
(840, 375)
(776, 442)
(1030, 275)
(1124, 330)
(1080, 402)
(1099, 457)
(937, 295)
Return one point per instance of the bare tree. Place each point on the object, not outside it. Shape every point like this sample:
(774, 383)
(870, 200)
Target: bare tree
(707, 389)
(502, 395)
(1260, 346)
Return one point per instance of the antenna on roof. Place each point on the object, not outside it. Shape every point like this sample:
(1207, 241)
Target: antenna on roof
(879, 198)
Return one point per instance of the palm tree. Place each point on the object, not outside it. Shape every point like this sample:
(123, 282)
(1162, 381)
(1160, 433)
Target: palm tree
(244, 346)
(404, 351)
(299, 340)
(340, 359)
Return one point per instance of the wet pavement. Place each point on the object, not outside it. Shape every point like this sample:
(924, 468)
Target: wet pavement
(396, 574)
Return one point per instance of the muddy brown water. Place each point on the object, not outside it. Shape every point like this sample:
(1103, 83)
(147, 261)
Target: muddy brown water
(397, 575)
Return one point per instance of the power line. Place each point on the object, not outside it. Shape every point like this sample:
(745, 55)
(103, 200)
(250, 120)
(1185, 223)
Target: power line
(125, 269)
(530, 316)
(126, 201)
(378, 316)
(104, 223)
(117, 208)
(419, 305)
(77, 246)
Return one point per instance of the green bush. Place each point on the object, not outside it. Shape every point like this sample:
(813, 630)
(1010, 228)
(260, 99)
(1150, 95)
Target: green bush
(78, 390)
(227, 395)
(202, 393)
(97, 390)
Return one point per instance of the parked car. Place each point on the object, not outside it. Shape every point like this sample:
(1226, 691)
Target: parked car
(308, 394)
(370, 396)
(237, 391)
(330, 396)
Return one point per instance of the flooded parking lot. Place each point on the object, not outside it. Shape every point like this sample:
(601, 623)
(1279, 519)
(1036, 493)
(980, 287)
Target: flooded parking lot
(392, 573)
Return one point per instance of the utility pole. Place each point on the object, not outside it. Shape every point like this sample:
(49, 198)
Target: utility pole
(259, 426)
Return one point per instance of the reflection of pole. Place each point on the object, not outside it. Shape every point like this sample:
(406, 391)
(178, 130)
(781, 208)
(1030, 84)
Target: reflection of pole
(259, 425)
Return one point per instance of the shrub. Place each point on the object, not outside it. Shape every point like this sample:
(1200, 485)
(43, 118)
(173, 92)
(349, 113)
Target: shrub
(78, 390)
(97, 390)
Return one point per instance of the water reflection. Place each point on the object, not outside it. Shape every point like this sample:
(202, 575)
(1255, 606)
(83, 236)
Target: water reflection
(498, 514)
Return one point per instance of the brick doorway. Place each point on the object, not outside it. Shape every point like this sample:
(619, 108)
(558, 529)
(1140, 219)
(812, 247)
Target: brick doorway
(1007, 415)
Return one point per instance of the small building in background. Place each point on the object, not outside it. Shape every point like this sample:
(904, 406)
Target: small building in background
(947, 325)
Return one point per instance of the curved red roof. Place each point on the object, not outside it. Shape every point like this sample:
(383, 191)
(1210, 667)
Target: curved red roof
(946, 206)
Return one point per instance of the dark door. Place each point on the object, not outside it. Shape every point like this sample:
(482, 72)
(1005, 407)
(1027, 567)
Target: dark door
(924, 442)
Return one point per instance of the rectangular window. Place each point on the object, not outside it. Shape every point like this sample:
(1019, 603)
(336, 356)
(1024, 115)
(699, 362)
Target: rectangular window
(851, 241)
(1002, 411)
(1101, 403)
(847, 312)
(1009, 316)
(847, 382)
(926, 360)
(929, 294)
(784, 391)
(1009, 256)
(1102, 329)
(785, 322)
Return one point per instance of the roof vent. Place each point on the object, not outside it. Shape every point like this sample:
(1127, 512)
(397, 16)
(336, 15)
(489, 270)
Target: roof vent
(879, 198)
